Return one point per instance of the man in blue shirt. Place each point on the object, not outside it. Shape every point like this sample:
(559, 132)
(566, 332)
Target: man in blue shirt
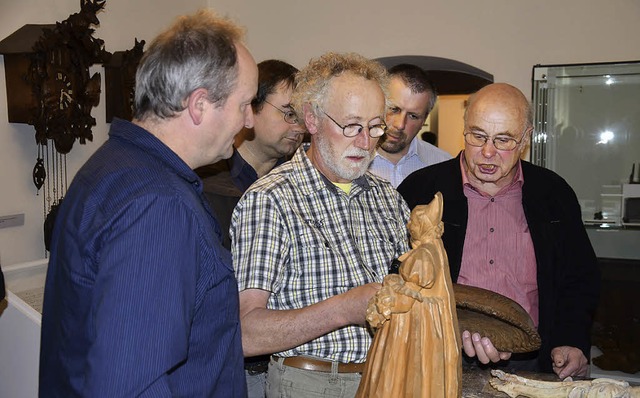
(412, 97)
(140, 296)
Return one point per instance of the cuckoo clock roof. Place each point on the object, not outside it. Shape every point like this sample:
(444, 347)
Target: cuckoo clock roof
(22, 40)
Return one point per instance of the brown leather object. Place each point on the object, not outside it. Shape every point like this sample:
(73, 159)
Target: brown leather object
(502, 320)
(317, 365)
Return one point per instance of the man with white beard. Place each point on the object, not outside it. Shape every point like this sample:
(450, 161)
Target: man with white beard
(312, 240)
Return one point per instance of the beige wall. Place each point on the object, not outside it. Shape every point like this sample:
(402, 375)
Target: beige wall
(503, 37)
(120, 22)
(450, 112)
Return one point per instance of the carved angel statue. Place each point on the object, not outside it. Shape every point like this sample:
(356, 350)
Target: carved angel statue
(416, 348)
(517, 386)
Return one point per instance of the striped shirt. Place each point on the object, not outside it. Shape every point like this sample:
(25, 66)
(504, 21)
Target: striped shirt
(498, 251)
(301, 238)
(420, 154)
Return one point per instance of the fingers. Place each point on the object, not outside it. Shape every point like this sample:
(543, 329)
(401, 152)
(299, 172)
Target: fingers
(504, 355)
(558, 358)
(473, 346)
(569, 361)
(481, 347)
(467, 344)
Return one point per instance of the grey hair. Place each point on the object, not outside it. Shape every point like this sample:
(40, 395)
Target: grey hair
(197, 51)
(312, 82)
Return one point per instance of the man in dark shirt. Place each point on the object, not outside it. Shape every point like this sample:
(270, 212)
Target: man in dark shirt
(275, 135)
(516, 229)
(140, 296)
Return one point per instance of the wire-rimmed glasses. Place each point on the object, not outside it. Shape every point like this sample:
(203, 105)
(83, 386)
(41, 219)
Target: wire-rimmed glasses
(289, 115)
(500, 141)
(353, 129)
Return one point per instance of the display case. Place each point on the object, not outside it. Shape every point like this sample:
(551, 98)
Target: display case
(20, 320)
(587, 129)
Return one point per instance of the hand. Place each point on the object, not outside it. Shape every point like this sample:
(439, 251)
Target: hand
(379, 308)
(395, 297)
(354, 302)
(569, 361)
(482, 348)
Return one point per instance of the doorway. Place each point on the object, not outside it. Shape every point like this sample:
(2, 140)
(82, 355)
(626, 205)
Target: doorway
(454, 82)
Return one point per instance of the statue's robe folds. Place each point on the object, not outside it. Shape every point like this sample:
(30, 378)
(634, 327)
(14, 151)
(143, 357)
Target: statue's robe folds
(416, 348)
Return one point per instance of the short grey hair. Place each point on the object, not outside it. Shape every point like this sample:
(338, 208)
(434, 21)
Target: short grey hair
(197, 51)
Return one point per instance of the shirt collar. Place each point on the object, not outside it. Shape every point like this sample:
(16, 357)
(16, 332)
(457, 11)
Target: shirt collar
(242, 174)
(413, 148)
(140, 137)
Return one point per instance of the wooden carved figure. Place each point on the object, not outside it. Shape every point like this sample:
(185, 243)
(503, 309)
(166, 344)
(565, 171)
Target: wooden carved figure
(416, 348)
(517, 386)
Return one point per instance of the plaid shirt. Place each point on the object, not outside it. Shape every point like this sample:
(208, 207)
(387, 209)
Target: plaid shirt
(298, 236)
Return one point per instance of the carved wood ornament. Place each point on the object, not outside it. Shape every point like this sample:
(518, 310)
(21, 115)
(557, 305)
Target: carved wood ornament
(63, 89)
(120, 81)
(416, 349)
(49, 86)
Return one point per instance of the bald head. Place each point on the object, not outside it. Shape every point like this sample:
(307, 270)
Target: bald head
(503, 98)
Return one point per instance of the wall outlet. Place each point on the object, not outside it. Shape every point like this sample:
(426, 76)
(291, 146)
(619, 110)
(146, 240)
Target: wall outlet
(14, 220)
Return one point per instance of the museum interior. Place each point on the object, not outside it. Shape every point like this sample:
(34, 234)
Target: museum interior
(577, 61)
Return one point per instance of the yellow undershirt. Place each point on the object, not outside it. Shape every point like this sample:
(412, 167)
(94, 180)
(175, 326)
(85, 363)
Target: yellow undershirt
(345, 186)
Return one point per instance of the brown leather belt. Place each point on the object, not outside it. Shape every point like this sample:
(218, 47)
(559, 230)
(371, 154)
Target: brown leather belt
(318, 365)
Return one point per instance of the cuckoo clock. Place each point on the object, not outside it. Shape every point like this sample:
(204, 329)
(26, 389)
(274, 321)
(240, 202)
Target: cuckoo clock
(120, 81)
(17, 49)
(49, 86)
(48, 81)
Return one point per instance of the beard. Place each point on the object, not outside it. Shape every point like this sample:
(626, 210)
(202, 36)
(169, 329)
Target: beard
(338, 164)
(393, 146)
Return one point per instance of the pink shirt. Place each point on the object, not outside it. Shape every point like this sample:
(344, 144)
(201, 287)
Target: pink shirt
(498, 252)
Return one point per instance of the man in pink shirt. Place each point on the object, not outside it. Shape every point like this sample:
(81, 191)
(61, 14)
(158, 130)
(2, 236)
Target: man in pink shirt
(516, 229)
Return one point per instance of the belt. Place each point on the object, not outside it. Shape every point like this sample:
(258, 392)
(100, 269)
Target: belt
(319, 365)
(256, 365)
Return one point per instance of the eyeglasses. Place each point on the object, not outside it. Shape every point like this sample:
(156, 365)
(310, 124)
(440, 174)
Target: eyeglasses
(353, 129)
(289, 116)
(500, 142)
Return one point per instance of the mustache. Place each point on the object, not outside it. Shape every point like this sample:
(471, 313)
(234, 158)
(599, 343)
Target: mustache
(357, 152)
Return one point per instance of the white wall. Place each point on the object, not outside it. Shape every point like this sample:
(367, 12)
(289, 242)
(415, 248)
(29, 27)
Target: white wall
(503, 37)
(120, 22)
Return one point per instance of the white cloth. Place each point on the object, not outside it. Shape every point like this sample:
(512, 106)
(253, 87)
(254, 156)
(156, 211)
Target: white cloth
(421, 154)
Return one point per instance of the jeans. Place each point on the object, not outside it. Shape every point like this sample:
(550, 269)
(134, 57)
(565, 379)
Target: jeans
(255, 384)
(288, 382)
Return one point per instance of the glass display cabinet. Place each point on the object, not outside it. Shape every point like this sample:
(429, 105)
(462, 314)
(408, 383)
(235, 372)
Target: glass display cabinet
(587, 129)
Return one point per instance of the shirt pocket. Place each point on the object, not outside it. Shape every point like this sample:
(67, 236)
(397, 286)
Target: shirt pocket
(387, 239)
(320, 265)
(525, 259)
